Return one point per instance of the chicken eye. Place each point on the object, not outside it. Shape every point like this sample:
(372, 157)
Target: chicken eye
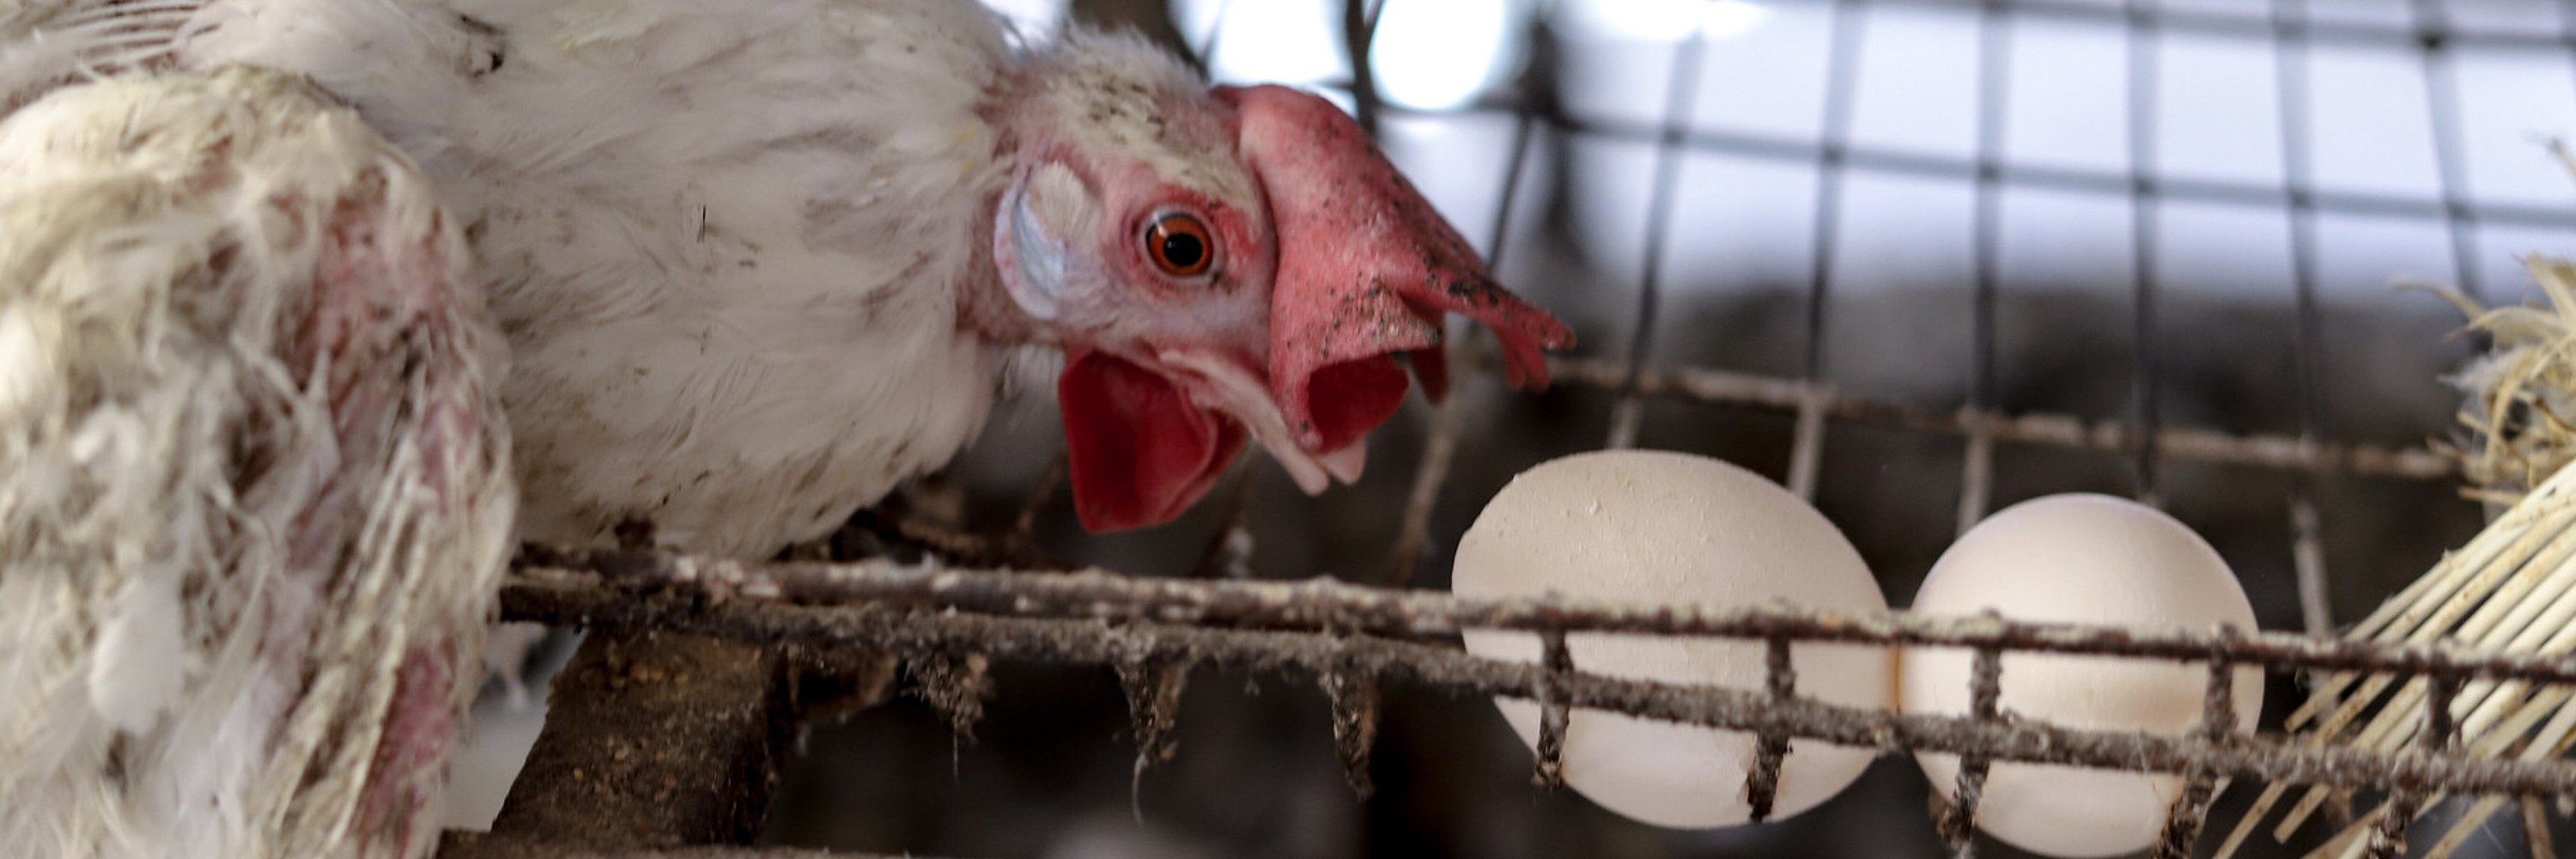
(1179, 245)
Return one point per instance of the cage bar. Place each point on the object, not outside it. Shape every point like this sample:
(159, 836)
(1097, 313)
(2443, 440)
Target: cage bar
(1994, 48)
(1553, 714)
(2388, 838)
(1958, 824)
(2145, 398)
(1324, 606)
(2190, 809)
(1100, 619)
(2290, 48)
(1681, 86)
(1771, 748)
(2278, 452)
(1440, 443)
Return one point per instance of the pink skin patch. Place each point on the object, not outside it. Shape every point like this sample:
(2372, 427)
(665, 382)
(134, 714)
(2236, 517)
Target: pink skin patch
(380, 304)
(411, 756)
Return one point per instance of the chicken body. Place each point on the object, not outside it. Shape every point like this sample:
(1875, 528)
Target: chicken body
(254, 495)
(729, 242)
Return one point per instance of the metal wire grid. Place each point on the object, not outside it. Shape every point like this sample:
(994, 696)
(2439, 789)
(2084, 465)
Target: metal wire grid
(1813, 398)
(1350, 638)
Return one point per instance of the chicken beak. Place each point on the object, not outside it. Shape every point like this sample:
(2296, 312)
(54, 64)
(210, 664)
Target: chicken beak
(1147, 438)
(1222, 385)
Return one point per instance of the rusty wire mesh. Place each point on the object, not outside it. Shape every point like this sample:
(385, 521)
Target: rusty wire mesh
(731, 655)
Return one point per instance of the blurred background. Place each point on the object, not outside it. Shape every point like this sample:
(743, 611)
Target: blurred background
(2177, 214)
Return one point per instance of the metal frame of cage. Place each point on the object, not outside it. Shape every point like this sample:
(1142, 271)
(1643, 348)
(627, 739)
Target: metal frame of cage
(668, 726)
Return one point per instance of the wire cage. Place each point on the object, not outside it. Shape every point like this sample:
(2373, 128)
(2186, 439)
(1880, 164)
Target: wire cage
(677, 727)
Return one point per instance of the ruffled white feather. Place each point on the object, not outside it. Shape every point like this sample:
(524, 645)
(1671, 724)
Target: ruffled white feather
(253, 489)
(727, 241)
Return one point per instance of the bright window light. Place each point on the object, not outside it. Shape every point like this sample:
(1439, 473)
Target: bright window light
(1440, 54)
(1660, 20)
(1033, 20)
(1267, 41)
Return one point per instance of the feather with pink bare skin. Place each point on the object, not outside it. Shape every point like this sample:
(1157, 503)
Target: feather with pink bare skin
(253, 480)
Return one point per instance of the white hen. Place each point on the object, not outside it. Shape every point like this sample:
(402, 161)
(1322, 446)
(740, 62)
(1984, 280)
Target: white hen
(747, 253)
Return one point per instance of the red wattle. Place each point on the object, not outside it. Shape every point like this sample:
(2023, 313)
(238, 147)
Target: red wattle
(1139, 452)
(1346, 400)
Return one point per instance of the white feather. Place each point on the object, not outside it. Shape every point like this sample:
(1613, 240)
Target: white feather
(727, 240)
(142, 663)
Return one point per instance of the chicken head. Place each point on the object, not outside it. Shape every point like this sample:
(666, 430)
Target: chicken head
(1222, 266)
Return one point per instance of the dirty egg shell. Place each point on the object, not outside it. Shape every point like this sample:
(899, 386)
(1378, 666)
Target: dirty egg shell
(1659, 527)
(2079, 558)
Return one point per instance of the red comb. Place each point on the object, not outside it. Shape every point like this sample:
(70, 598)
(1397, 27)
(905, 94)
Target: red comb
(1366, 269)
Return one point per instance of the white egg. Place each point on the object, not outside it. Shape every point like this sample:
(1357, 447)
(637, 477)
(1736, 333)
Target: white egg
(1659, 527)
(2090, 559)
